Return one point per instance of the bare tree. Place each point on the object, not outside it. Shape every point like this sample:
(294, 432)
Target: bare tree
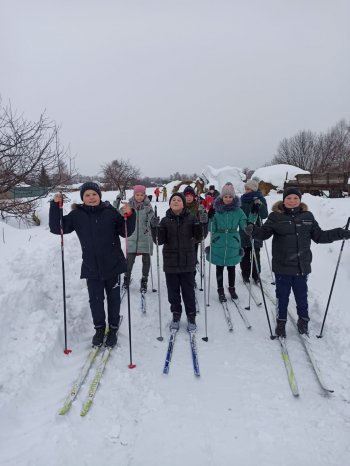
(120, 175)
(317, 152)
(26, 148)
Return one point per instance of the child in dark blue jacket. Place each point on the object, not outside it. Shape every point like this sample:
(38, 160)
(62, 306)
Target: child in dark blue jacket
(98, 226)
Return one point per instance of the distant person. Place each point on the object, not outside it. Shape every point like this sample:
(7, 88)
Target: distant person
(292, 227)
(165, 194)
(98, 226)
(214, 193)
(157, 193)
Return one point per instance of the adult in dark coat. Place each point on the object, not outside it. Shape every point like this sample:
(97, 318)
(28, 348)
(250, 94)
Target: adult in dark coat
(293, 227)
(177, 232)
(254, 206)
(98, 226)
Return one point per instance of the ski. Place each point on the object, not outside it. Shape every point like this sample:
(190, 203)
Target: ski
(308, 349)
(227, 316)
(143, 302)
(241, 313)
(80, 380)
(288, 365)
(169, 351)
(98, 376)
(256, 300)
(194, 353)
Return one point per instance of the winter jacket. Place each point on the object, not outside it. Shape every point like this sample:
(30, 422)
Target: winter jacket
(247, 202)
(141, 241)
(225, 240)
(178, 234)
(293, 230)
(98, 229)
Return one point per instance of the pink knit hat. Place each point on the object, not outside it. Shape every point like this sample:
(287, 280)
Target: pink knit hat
(139, 188)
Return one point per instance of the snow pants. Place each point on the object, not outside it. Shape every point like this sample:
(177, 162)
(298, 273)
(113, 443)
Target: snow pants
(97, 290)
(284, 285)
(146, 263)
(181, 284)
(231, 272)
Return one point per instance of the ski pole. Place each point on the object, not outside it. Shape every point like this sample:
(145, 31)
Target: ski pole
(272, 337)
(150, 256)
(205, 296)
(160, 338)
(335, 276)
(251, 274)
(268, 259)
(210, 245)
(131, 365)
(60, 205)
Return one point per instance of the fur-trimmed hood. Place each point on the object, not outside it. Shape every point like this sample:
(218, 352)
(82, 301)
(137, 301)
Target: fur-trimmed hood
(281, 209)
(220, 207)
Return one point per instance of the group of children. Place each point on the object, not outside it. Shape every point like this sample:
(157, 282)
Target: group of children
(236, 236)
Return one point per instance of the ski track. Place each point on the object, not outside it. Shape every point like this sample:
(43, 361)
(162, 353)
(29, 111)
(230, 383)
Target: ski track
(240, 410)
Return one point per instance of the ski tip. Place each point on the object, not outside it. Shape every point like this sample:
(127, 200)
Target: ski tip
(67, 351)
(131, 366)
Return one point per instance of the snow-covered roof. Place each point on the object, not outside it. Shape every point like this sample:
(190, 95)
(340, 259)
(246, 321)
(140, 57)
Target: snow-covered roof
(278, 174)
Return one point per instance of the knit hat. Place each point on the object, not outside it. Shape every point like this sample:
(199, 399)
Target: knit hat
(228, 190)
(291, 190)
(90, 185)
(139, 188)
(211, 187)
(252, 184)
(180, 195)
(189, 190)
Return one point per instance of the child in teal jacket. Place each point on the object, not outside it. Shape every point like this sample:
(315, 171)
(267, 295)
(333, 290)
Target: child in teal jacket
(225, 220)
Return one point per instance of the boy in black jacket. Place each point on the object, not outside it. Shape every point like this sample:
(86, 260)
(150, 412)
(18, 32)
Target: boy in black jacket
(177, 232)
(98, 226)
(293, 227)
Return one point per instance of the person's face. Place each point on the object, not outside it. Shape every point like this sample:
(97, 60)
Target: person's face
(139, 197)
(176, 204)
(91, 197)
(189, 198)
(248, 190)
(292, 201)
(227, 199)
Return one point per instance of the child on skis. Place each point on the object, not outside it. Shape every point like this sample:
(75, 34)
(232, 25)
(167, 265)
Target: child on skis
(293, 227)
(140, 242)
(254, 206)
(98, 226)
(225, 219)
(177, 232)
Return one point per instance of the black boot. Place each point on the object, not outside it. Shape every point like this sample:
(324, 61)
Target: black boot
(222, 297)
(143, 286)
(111, 340)
(126, 282)
(233, 293)
(97, 339)
(281, 328)
(303, 326)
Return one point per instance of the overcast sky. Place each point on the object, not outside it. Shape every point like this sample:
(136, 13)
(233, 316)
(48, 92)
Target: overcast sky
(177, 85)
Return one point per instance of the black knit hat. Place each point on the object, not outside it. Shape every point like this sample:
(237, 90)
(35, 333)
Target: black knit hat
(90, 185)
(189, 190)
(181, 196)
(292, 190)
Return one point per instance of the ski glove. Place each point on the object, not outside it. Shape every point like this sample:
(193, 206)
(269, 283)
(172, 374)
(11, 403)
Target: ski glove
(346, 234)
(211, 212)
(249, 229)
(154, 222)
(256, 206)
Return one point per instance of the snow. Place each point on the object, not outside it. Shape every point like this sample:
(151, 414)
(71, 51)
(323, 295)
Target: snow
(278, 174)
(220, 176)
(240, 411)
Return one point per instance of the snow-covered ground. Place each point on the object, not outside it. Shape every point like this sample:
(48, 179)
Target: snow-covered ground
(240, 411)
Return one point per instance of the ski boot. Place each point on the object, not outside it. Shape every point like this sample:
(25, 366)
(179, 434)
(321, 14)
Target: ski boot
(302, 325)
(175, 323)
(222, 297)
(126, 282)
(97, 339)
(191, 325)
(232, 292)
(281, 328)
(143, 286)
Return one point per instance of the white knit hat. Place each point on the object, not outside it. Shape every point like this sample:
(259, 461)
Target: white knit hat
(252, 184)
(228, 190)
